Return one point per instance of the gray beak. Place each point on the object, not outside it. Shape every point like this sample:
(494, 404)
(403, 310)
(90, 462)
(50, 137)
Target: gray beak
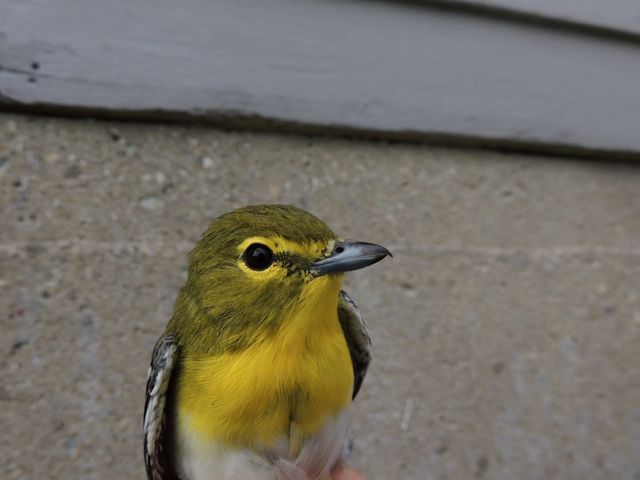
(348, 256)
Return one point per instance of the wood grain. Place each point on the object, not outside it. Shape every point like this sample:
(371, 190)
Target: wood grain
(387, 68)
(620, 15)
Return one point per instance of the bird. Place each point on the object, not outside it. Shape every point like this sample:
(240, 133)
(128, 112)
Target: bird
(255, 372)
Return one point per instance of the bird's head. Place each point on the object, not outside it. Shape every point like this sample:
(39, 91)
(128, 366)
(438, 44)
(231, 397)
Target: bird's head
(255, 265)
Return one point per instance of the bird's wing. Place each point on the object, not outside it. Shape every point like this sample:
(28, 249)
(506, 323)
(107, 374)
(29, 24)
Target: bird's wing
(156, 456)
(358, 341)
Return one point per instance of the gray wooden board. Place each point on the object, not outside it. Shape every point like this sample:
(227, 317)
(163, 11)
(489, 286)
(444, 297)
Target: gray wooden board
(377, 66)
(622, 15)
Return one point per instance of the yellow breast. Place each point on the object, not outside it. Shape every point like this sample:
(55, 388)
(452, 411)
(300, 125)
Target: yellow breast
(289, 383)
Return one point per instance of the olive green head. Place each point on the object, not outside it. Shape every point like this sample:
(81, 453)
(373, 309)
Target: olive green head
(289, 232)
(249, 269)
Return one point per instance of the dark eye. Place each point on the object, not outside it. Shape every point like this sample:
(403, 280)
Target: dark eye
(257, 256)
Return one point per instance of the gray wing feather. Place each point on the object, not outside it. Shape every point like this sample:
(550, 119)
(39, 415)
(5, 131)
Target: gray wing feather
(156, 458)
(358, 340)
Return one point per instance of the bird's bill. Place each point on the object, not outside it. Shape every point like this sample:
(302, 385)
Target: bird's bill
(348, 256)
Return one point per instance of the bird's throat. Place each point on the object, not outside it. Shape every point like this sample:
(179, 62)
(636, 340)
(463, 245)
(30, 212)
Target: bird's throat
(287, 384)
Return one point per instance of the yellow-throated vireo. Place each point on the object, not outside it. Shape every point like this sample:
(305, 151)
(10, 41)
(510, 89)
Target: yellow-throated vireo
(255, 371)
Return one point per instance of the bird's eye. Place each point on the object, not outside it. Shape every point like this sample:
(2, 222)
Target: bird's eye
(258, 256)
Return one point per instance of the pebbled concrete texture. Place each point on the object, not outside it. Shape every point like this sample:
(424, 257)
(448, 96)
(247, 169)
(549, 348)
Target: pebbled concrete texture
(506, 329)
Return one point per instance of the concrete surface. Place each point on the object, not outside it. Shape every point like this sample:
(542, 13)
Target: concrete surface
(506, 329)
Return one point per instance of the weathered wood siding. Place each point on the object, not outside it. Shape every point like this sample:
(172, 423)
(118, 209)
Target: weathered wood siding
(385, 67)
(619, 15)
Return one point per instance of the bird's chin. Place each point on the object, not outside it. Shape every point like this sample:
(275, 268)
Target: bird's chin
(321, 294)
(326, 278)
(329, 282)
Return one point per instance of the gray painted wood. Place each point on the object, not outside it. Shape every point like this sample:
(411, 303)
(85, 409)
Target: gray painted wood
(622, 15)
(376, 66)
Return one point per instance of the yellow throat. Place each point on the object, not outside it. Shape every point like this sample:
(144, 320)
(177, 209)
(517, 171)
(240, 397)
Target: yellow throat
(288, 384)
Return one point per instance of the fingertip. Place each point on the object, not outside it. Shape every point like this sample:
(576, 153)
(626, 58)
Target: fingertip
(345, 472)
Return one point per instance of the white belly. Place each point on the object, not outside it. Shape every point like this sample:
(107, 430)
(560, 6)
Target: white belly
(201, 460)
